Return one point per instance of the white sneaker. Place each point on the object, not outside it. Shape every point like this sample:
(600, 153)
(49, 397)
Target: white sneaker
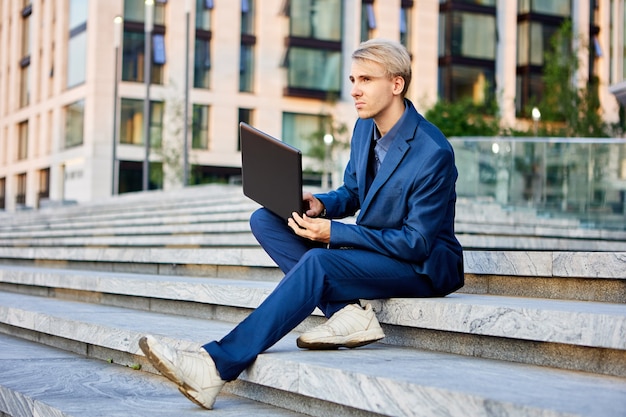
(351, 327)
(195, 373)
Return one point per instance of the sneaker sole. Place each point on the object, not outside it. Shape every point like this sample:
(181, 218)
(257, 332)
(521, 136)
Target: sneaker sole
(321, 345)
(188, 392)
(164, 368)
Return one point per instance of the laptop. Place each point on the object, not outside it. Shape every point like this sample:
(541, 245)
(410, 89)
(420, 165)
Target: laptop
(271, 172)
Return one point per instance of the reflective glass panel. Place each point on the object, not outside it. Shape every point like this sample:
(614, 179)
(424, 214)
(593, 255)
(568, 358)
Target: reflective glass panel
(77, 59)
(200, 127)
(74, 124)
(203, 14)
(315, 69)
(202, 64)
(473, 35)
(78, 12)
(573, 177)
(551, 7)
(22, 144)
(299, 129)
(246, 68)
(131, 121)
(466, 81)
(317, 19)
(247, 17)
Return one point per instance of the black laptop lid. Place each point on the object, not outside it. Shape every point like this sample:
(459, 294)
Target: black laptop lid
(271, 172)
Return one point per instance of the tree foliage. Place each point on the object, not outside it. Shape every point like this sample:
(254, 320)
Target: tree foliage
(566, 109)
(465, 118)
(575, 110)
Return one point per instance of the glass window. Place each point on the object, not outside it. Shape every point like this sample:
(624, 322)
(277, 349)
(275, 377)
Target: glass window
(523, 43)
(76, 59)
(247, 17)
(441, 47)
(245, 115)
(22, 141)
(78, 12)
(200, 127)
(135, 11)
(473, 35)
(317, 19)
(44, 183)
(202, 64)
(74, 124)
(158, 49)
(157, 111)
(479, 2)
(368, 20)
(133, 59)
(3, 193)
(131, 118)
(246, 68)
(203, 14)
(25, 86)
(133, 54)
(405, 26)
(529, 89)
(315, 69)
(466, 81)
(299, 130)
(20, 197)
(77, 44)
(551, 7)
(533, 41)
(131, 122)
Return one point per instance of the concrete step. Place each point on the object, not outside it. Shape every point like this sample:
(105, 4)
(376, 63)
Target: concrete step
(200, 199)
(383, 379)
(470, 324)
(38, 380)
(238, 233)
(176, 215)
(609, 265)
(583, 276)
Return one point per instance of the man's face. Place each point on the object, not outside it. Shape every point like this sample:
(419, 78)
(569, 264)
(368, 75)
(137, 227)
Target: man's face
(373, 91)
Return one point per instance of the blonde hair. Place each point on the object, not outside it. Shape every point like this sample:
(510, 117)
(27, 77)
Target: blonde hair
(392, 55)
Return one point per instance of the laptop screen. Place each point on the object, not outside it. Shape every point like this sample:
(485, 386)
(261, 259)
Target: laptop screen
(271, 172)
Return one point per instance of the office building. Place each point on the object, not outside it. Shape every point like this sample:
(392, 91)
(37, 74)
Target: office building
(76, 111)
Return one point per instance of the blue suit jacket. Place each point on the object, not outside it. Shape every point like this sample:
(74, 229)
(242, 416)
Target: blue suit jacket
(408, 212)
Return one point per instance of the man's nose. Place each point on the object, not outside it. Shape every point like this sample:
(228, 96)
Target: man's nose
(355, 91)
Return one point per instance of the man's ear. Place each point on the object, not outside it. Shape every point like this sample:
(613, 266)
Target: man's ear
(398, 85)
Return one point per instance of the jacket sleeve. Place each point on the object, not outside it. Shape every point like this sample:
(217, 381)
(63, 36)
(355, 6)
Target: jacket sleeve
(408, 219)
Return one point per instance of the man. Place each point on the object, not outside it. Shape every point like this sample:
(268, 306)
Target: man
(401, 176)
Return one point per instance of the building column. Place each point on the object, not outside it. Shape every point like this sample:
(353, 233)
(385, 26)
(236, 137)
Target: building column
(506, 60)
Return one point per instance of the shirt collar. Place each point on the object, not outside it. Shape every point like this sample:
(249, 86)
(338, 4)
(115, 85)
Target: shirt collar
(385, 141)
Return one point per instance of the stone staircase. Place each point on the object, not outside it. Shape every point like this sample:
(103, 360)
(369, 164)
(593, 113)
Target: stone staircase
(538, 330)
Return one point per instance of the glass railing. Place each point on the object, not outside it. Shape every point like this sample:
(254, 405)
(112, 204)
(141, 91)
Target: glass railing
(582, 178)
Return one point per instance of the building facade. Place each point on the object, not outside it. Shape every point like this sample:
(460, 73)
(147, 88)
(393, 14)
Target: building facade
(79, 104)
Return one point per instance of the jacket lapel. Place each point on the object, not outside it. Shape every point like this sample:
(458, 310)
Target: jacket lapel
(397, 150)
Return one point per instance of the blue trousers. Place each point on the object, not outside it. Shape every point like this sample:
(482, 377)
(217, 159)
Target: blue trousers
(314, 277)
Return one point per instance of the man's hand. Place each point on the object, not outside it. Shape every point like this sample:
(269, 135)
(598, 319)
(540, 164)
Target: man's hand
(311, 228)
(315, 206)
